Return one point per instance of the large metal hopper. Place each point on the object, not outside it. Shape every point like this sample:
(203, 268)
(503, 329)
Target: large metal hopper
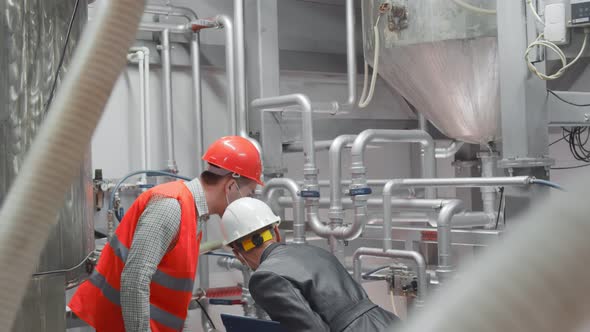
(442, 58)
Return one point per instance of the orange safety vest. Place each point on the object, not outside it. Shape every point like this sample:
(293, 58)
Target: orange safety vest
(97, 300)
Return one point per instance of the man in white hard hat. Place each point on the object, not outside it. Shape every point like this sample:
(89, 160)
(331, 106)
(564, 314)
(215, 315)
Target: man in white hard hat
(303, 287)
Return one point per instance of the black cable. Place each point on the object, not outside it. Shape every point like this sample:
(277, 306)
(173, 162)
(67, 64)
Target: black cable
(370, 273)
(570, 167)
(206, 314)
(556, 141)
(65, 270)
(500, 207)
(566, 101)
(63, 55)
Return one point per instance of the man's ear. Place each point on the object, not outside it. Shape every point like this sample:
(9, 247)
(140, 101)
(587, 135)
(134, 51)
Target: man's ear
(277, 233)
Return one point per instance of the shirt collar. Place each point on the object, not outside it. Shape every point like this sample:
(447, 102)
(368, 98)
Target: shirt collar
(196, 189)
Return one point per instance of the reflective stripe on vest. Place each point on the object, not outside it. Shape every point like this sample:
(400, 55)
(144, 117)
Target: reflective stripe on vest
(113, 295)
(97, 301)
(161, 278)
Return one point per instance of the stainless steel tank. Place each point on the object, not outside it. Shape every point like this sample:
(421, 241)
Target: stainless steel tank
(33, 33)
(442, 58)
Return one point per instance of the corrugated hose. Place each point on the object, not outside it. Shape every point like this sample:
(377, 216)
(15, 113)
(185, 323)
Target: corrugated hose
(30, 210)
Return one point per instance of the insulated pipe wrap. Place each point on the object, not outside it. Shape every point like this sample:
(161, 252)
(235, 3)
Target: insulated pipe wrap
(534, 280)
(30, 209)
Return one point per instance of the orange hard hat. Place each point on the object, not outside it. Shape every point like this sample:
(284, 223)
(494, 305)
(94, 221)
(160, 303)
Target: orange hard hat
(235, 154)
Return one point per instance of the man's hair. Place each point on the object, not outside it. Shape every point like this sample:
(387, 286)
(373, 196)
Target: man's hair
(212, 179)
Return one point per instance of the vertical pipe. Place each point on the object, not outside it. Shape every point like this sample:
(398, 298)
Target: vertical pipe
(142, 114)
(445, 217)
(336, 213)
(230, 70)
(488, 194)
(351, 52)
(147, 123)
(242, 116)
(167, 78)
(198, 97)
(422, 122)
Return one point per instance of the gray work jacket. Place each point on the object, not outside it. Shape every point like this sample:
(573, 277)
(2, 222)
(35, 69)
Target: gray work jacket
(305, 288)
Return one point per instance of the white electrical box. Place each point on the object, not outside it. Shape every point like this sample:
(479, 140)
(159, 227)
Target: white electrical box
(555, 24)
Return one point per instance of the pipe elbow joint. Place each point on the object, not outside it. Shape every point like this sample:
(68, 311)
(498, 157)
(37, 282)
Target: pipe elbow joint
(302, 100)
(391, 186)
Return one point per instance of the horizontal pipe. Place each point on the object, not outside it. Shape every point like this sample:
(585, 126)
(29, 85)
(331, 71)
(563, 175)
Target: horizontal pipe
(461, 220)
(347, 203)
(459, 182)
(159, 27)
(406, 254)
(188, 13)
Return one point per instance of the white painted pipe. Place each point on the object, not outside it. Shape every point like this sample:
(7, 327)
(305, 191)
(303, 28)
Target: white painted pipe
(226, 23)
(513, 286)
(167, 93)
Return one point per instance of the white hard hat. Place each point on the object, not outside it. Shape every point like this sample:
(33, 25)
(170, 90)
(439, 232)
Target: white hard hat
(245, 216)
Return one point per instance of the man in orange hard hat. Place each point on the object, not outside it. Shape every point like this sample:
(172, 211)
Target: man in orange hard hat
(145, 275)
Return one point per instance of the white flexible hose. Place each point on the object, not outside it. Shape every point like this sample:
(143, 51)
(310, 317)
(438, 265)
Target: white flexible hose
(535, 280)
(475, 9)
(30, 209)
(362, 101)
(392, 298)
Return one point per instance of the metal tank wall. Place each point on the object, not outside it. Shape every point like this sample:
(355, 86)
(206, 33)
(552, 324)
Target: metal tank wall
(442, 58)
(33, 34)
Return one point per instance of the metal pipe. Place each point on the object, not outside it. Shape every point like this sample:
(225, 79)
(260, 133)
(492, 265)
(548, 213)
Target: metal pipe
(234, 264)
(310, 171)
(449, 151)
(358, 170)
(298, 204)
(348, 203)
(461, 220)
(504, 181)
(167, 79)
(198, 97)
(406, 254)
(488, 194)
(351, 52)
(188, 13)
(142, 116)
(159, 27)
(346, 183)
(298, 146)
(227, 24)
(422, 122)
(144, 82)
(242, 106)
(443, 227)
(336, 213)
(307, 119)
